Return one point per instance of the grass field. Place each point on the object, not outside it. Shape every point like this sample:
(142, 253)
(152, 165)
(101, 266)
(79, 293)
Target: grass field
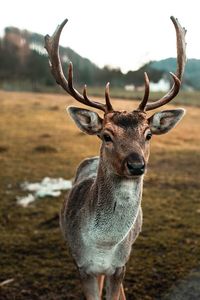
(38, 139)
(188, 98)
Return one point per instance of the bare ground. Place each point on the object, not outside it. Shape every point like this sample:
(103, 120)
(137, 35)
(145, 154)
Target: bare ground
(38, 140)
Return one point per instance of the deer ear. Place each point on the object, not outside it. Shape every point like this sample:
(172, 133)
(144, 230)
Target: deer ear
(162, 122)
(88, 121)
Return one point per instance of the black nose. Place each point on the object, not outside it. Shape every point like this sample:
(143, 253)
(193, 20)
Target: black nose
(135, 164)
(135, 168)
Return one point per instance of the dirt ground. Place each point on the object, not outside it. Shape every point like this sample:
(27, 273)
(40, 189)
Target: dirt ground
(37, 140)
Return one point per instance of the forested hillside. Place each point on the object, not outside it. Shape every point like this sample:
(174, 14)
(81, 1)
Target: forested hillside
(24, 63)
(192, 70)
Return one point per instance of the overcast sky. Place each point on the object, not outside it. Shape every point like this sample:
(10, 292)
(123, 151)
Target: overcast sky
(122, 34)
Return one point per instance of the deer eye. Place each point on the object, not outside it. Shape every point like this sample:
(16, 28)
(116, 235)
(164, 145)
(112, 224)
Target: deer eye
(148, 136)
(107, 138)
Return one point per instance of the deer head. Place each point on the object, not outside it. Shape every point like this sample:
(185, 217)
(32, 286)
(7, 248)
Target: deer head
(125, 135)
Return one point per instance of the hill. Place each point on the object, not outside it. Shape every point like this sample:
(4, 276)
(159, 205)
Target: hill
(192, 70)
(24, 62)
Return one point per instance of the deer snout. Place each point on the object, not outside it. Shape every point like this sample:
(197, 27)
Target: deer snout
(134, 164)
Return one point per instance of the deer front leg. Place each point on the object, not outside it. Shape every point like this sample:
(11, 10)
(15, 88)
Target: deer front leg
(90, 286)
(114, 285)
(122, 294)
(100, 283)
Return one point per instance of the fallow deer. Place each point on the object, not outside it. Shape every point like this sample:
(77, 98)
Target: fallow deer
(102, 215)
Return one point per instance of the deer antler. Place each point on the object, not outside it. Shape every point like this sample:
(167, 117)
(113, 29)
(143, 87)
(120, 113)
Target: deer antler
(146, 93)
(181, 60)
(52, 47)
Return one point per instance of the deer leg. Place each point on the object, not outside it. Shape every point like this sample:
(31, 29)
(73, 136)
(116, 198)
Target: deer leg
(90, 286)
(100, 283)
(122, 294)
(114, 286)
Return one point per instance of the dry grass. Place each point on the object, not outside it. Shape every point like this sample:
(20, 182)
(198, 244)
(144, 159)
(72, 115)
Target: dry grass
(38, 140)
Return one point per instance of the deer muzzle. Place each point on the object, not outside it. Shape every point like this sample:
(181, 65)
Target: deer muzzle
(134, 164)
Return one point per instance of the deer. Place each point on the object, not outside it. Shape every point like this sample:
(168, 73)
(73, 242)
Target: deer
(101, 217)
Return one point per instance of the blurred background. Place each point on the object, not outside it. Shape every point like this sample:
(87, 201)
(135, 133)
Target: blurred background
(106, 41)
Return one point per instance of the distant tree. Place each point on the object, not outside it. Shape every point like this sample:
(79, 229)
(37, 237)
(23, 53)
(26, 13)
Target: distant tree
(137, 77)
(37, 70)
(23, 58)
(9, 61)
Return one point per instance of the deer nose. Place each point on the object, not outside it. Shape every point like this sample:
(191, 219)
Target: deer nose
(135, 168)
(135, 165)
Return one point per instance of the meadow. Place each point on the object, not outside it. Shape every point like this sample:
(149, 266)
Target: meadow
(38, 139)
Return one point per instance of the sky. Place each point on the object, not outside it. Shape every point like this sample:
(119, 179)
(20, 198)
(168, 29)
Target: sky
(124, 34)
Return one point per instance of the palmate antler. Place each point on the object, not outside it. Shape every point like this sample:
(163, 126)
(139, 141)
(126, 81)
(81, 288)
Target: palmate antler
(181, 60)
(52, 46)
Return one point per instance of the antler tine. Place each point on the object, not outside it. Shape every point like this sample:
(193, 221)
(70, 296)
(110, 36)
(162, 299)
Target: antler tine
(52, 47)
(181, 60)
(181, 47)
(87, 101)
(146, 93)
(107, 97)
(84, 99)
(168, 97)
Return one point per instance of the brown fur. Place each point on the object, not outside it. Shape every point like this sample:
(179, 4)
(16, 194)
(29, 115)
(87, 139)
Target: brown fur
(102, 216)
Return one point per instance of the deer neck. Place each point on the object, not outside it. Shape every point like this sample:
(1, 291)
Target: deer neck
(116, 205)
(114, 190)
